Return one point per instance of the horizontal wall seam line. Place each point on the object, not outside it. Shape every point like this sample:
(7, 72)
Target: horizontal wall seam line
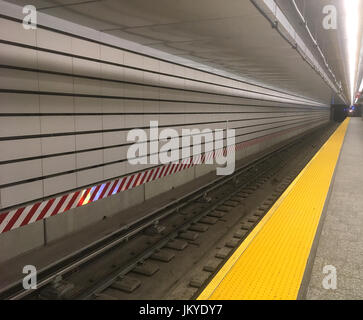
(164, 60)
(84, 95)
(78, 151)
(137, 83)
(71, 133)
(79, 114)
(114, 162)
(132, 173)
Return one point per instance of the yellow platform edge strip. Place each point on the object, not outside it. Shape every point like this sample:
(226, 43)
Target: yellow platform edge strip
(270, 262)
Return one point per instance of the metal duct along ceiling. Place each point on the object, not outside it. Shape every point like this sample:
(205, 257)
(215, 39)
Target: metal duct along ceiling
(333, 42)
(229, 35)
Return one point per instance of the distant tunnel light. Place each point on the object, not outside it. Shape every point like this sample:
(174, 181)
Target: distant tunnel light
(352, 27)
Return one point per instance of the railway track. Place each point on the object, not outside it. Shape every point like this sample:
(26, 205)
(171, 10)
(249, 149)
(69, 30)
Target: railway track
(129, 257)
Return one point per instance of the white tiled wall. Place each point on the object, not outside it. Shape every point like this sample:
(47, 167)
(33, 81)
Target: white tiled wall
(47, 137)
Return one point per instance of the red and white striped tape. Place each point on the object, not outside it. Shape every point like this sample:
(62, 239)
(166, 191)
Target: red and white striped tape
(41, 210)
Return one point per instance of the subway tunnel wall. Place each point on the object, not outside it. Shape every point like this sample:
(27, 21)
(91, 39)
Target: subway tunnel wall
(67, 104)
(339, 112)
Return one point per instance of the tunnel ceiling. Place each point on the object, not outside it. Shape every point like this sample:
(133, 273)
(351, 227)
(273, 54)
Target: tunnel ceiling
(332, 42)
(229, 35)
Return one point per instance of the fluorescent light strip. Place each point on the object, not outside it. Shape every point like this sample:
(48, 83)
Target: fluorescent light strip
(351, 8)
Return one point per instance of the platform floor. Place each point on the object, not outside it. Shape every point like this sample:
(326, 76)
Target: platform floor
(341, 241)
(273, 259)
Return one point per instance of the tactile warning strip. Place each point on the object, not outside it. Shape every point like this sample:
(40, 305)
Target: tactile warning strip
(270, 263)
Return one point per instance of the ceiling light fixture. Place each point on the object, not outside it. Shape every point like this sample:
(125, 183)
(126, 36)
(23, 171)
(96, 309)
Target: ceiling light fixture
(352, 29)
